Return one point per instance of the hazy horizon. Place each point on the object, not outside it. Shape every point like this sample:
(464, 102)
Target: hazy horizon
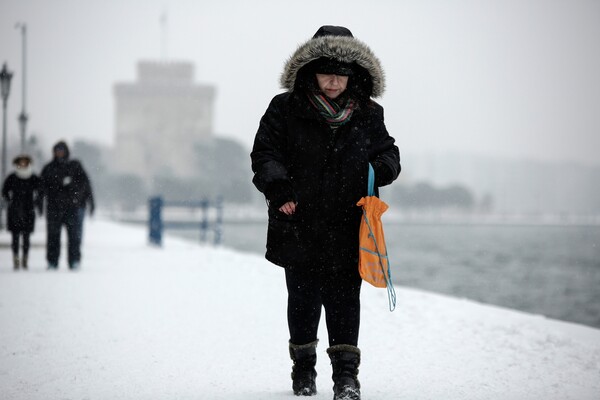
(496, 78)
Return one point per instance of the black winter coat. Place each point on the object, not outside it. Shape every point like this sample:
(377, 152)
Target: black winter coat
(22, 195)
(66, 186)
(297, 156)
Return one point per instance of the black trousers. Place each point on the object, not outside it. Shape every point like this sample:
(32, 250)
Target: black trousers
(338, 292)
(72, 219)
(15, 242)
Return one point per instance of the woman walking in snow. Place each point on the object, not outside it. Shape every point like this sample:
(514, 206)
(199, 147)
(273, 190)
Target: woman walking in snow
(21, 190)
(310, 159)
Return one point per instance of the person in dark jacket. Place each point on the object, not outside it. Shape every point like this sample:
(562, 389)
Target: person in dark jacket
(67, 191)
(21, 190)
(310, 159)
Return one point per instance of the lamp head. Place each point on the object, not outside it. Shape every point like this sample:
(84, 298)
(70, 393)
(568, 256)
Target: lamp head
(5, 76)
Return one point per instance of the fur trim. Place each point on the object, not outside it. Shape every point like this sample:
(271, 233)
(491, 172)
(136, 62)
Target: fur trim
(301, 351)
(22, 157)
(304, 346)
(343, 347)
(341, 48)
(24, 173)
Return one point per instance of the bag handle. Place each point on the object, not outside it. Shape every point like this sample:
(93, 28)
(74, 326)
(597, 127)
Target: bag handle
(371, 184)
(391, 292)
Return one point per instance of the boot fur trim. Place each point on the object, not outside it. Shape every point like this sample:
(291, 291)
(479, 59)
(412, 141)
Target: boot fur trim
(297, 347)
(343, 347)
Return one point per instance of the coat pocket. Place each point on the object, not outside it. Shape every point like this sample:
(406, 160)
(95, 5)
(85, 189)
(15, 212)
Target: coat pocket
(288, 244)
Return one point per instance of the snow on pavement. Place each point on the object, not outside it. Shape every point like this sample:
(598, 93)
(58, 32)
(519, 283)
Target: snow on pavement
(188, 321)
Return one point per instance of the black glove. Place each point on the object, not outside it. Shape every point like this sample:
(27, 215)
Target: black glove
(383, 173)
(278, 193)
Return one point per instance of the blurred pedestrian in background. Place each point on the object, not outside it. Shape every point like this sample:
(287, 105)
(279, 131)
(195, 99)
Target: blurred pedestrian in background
(21, 190)
(67, 191)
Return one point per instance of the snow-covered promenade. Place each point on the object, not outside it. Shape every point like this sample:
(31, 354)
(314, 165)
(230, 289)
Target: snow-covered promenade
(191, 322)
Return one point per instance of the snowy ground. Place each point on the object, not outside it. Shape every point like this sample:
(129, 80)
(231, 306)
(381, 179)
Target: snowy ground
(192, 322)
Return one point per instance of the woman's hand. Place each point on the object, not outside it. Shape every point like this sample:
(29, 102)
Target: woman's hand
(288, 208)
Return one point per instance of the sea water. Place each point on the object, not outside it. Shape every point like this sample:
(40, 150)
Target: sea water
(552, 270)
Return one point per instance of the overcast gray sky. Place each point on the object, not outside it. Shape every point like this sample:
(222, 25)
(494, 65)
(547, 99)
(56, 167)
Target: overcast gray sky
(517, 78)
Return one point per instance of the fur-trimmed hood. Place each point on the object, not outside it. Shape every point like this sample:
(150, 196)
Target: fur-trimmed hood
(345, 49)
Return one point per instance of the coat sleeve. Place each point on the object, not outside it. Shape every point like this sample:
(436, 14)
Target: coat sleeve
(383, 153)
(88, 194)
(48, 185)
(90, 197)
(269, 156)
(84, 193)
(38, 201)
(6, 188)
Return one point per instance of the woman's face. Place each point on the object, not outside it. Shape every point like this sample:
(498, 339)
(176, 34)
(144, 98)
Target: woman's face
(22, 164)
(332, 85)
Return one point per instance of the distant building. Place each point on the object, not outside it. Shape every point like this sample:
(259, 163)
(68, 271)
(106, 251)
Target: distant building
(159, 119)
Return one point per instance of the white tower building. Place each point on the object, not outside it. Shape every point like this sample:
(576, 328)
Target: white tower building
(159, 119)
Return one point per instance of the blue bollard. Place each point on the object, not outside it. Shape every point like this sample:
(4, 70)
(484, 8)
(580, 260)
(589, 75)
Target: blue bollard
(219, 221)
(155, 223)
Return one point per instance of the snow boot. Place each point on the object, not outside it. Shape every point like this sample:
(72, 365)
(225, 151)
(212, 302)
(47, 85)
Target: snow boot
(16, 262)
(345, 360)
(24, 262)
(303, 371)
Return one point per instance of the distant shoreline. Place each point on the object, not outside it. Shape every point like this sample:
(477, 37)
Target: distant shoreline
(245, 215)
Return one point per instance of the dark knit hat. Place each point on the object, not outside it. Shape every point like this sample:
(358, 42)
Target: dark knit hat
(328, 66)
(325, 65)
(330, 30)
(61, 146)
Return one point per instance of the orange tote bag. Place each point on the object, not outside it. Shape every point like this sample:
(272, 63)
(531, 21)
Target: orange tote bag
(373, 261)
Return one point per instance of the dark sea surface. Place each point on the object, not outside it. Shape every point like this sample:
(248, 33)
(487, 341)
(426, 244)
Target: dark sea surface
(553, 270)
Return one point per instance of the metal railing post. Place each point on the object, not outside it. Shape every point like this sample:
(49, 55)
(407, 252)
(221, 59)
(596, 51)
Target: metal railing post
(155, 223)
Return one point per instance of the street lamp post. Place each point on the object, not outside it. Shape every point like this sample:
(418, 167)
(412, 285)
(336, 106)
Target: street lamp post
(5, 77)
(23, 117)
